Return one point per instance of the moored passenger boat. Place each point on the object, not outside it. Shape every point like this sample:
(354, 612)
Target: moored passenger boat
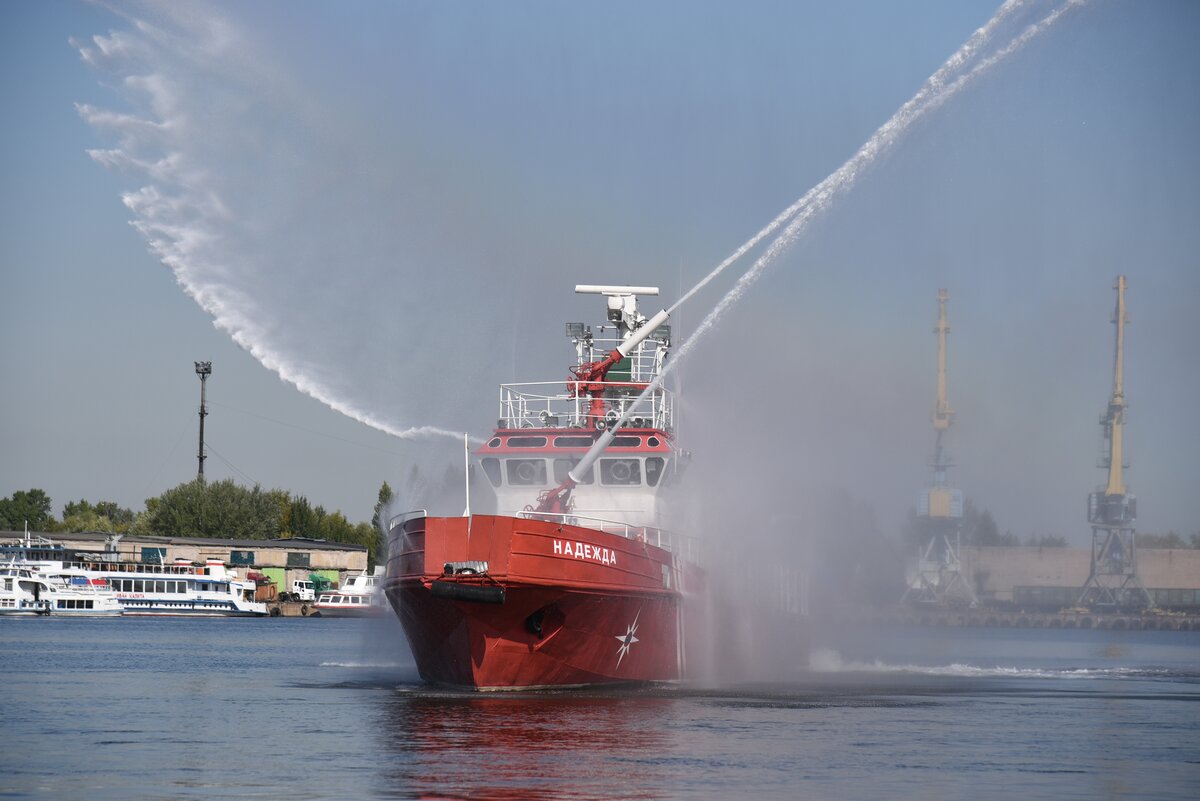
(182, 589)
(148, 588)
(361, 596)
(24, 591)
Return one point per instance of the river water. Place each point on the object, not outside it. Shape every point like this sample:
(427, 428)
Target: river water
(295, 708)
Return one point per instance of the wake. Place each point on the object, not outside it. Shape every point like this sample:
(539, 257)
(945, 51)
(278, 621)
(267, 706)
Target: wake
(829, 661)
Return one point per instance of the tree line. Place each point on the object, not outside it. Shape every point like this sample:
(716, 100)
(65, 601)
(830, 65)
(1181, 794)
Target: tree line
(199, 508)
(978, 527)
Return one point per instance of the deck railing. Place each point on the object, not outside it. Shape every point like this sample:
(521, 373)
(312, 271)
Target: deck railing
(682, 545)
(548, 404)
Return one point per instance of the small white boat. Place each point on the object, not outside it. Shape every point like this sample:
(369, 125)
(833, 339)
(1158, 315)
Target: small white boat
(24, 591)
(362, 596)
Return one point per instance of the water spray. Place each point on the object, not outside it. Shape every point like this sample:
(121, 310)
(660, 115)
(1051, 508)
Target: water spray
(934, 93)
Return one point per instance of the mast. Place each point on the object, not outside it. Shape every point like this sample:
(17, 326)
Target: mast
(204, 370)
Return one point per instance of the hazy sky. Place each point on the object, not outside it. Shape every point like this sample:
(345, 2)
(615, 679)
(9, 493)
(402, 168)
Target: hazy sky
(388, 204)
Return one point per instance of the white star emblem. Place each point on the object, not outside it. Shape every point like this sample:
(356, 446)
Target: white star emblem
(627, 639)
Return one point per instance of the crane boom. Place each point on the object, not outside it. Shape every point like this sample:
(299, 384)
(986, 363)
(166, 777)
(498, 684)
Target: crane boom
(943, 416)
(1115, 422)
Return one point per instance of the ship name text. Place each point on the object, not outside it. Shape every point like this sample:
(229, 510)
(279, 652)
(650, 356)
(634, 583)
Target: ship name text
(582, 550)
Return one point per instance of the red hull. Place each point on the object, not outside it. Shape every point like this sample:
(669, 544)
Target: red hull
(558, 605)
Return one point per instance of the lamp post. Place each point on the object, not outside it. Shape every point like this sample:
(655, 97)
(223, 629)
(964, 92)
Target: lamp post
(204, 370)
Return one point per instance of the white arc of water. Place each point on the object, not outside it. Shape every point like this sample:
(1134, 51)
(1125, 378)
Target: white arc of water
(841, 180)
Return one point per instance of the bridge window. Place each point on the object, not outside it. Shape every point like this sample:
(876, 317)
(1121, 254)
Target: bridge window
(526, 472)
(492, 468)
(573, 442)
(625, 442)
(564, 466)
(654, 470)
(526, 442)
(620, 472)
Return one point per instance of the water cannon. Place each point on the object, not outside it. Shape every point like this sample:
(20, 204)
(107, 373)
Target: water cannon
(590, 378)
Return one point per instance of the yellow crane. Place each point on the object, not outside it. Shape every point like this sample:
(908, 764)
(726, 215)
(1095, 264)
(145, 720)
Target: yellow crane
(1112, 510)
(1115, 421)
(937, 577)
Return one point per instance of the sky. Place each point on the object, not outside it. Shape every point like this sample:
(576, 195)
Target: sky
(368, 215)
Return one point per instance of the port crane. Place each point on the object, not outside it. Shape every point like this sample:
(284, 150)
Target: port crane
(937, 578)
(1112, 510)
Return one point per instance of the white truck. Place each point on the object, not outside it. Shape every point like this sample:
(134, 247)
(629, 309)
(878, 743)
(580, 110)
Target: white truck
(302, 590)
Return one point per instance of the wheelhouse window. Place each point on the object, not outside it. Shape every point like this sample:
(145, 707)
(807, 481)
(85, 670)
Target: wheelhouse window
(620, 472)
(654, 470)
(526, 442)
(573, 442)
(491, 467)
(564, 466)
(526, 472)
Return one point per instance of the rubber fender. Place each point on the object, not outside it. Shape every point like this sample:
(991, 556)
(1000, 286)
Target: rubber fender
(478, 593)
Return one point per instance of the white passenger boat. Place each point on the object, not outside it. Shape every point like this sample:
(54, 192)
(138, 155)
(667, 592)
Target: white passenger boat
(182, 588)
(148, 588)
(362, 596)
(24, 591)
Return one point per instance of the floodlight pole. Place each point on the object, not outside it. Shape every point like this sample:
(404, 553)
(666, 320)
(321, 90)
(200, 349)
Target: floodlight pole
(204, 370)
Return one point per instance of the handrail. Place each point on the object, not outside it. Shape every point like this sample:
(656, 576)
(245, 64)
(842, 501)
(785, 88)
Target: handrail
(555, 407)
(660, 538)
(411, 515)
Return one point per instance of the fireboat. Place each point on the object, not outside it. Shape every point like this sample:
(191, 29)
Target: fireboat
(571, 582)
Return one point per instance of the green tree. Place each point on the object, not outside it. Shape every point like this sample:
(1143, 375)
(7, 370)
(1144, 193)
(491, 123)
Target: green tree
(301, 519)
(381, 507)
(376, 538)
(1168, 540)
(335, 527)
(26, 506)
(218, 509)
(101, 516)
(979, 528)
(368, 535)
